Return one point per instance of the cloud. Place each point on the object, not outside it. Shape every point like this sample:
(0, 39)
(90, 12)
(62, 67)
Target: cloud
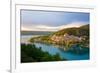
(41, 27)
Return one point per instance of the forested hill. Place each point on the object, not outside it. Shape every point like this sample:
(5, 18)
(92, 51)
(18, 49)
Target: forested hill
(66, 37)
(81, 31)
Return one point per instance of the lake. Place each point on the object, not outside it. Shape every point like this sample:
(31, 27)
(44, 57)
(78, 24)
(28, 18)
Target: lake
(51, 49)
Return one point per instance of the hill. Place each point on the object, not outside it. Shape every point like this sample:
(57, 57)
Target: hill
(66, 37)
(81, 31)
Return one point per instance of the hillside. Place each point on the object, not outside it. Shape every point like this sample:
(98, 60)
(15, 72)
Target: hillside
(66, 37)
(81, 31)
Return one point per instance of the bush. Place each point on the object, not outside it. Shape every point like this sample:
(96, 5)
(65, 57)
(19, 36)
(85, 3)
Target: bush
(30, 53)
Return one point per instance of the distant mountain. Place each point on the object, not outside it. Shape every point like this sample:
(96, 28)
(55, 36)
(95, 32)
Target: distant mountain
(35, 32)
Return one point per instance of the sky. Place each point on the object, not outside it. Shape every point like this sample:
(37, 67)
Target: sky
(32, 20)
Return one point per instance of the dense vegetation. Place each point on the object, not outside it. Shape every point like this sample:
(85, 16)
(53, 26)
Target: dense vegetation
(81, 31)
(30, 53)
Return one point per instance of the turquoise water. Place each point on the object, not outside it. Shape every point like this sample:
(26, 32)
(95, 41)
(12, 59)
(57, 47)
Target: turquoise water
(63, 54)
(51, 49)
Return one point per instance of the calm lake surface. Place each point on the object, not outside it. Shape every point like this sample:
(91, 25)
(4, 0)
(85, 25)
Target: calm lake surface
(53, 50)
